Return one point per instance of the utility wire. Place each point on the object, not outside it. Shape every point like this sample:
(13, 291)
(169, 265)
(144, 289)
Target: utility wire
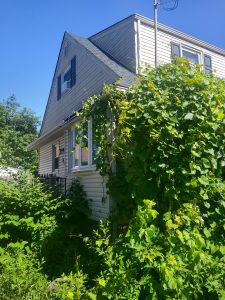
(164, 4)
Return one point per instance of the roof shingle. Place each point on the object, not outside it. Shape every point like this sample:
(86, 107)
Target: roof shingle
(127, 76)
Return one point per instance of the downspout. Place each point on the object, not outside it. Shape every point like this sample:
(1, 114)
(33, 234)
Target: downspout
(137, 46)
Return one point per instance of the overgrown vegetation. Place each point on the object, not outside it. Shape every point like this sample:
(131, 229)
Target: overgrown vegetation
(166, 136)
(18, 128)
(40, 240)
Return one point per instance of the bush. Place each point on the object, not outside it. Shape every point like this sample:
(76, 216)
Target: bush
(168, 141)
(66, 241)
(78, 199)
(168, 144)
(179, 259)
(27, 212)
(72, 287)
(20, 274)
(21, 277)
(35, 224)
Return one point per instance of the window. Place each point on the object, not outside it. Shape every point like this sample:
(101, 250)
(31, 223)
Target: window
(191, 55)
(55, 157)
(67, 79)
(83, 151)
(194, 56)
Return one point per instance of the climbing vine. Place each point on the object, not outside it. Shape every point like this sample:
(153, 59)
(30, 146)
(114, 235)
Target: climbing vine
(166, 136)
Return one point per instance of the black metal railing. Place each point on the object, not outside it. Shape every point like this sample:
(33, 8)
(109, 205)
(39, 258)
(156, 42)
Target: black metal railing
(53, 182)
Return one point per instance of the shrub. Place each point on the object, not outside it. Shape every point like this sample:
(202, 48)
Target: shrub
(27, 212)
(72, 287)
(168, 141)
(78, 199)
(179, 259)
(168, 145)
(20, 274)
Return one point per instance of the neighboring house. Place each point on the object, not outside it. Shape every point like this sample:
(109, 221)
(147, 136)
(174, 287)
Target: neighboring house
(7, 173)
(84, 65)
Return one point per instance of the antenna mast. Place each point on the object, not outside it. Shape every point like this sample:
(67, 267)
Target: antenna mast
(156, 4)
(156, 30)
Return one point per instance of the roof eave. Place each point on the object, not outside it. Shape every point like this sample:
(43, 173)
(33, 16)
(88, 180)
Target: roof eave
(48, 136)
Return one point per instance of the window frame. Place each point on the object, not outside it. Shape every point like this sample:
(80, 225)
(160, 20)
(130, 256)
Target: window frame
(72, 68)
(79, 166)
(202, 55)
(193, 51)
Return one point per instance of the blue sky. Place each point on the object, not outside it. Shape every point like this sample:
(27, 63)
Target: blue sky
(31, 32)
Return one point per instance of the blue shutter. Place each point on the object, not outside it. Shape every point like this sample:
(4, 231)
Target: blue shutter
(175, 50)
(73, 71)
(59, 87)
(70, 150)
(207, 64)
(53, 157)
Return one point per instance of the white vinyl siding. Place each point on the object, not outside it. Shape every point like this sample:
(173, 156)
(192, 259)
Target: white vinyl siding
(45, 158)
(94, 186)
(147, 52)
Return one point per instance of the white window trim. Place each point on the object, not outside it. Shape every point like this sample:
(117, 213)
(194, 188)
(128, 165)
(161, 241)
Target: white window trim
(90, 166)
(192, 50)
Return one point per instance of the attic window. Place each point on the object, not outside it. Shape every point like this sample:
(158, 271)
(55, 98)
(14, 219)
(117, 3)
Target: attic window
(192, 56)
(67, 79)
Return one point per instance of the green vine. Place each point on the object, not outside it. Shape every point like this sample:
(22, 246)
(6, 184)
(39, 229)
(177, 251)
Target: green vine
(166, 135)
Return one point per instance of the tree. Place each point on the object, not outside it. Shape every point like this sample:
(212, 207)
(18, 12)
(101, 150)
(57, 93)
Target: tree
(18, 128)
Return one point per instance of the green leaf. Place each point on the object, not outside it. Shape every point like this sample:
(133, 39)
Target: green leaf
(189, 116)
(70, 295)
(207, 233)
(101, 282)
(203, 180)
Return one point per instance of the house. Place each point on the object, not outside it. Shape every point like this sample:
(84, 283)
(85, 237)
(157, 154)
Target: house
(84, 65)
(7, 173)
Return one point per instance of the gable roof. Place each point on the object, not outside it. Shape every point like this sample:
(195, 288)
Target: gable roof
(127, 77)
(122, 72)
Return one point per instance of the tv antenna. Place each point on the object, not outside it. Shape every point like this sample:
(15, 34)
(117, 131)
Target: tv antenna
(167, 5)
